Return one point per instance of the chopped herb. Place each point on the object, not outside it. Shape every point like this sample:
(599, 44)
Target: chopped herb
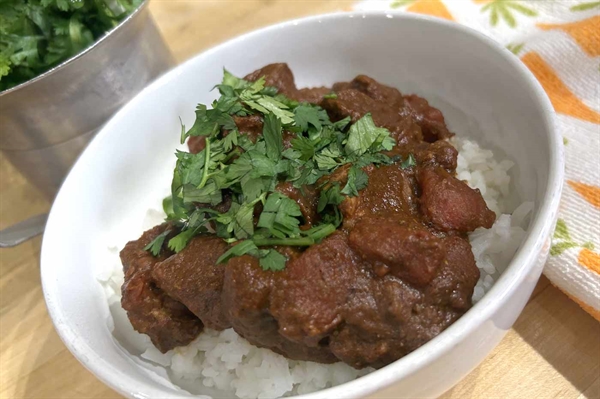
(247, 172)
(280, 216)
(306, 114)
(243, 248)
(238, 220)
(329, 196)
(38, 35)
(273, 261)
(357, 180)
(180, 241)
(321, 231)
(409, 162)
(155, 246)
(272, 136)
(364, 136)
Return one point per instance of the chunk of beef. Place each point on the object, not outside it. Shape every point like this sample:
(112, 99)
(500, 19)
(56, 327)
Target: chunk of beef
(309, 297)
(400, 247)
(194, 278)
(251, 126)
(246, 297)
(450, 204)
(196, 144)
(386, 318)
(454, 284)
(151, 311)
(390, 191)
(429, 118)
(329, 297)
(277, 75)
(312, 95)
(368, 335)
(355, 104)
(439, 153)
(375, 90)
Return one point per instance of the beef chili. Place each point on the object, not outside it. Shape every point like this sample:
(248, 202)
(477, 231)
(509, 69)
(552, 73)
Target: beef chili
(325, 224)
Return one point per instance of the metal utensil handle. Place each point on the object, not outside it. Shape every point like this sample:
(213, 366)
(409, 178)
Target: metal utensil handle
(23, 231)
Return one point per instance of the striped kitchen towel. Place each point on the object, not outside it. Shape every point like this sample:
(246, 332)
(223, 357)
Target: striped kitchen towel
(559, 41)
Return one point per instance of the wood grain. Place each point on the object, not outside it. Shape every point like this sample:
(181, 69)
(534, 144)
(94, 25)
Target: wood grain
(553, 351)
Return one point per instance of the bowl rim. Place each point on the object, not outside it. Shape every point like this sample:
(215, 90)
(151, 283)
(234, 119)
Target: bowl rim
(99, 42)
(534, 244)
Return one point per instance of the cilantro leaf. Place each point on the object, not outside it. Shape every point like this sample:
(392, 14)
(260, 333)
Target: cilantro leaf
(326, 163)
(268, 259)
(167, 205)
(238, 220)
(342, 124)
(180, 241)
(273, 261)
(233, 81)
(280, 216)
(304, 147)
(329, 196)
(253, 163)
(306, 114)
(409, 162)
(364, 136)
(191, 166)
(272, 136)
(209, 122)
(230, 140)
(276, 108)
(377, 158)
(155, 246)
(357, 180)
(242, 248)
(209, 194)
(291, 154)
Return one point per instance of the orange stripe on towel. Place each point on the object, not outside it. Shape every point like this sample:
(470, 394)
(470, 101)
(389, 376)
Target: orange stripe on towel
(589, 192)
(585, 32)
(589, 259)
(563, 100)
(434, 8)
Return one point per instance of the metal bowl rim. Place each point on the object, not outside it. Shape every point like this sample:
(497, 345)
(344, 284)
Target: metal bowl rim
(88, 49)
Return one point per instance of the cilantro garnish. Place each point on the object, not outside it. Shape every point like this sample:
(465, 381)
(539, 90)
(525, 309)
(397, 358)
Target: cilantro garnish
(155, 246)
(364, 136)
(306, 114)
(357, 180)
(246, 174)
(408, 162)
(280, 216)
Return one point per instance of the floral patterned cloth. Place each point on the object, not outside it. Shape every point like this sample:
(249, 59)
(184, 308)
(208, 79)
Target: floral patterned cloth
(559, 41)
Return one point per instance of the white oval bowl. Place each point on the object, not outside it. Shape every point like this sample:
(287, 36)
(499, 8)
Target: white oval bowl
(485, 92)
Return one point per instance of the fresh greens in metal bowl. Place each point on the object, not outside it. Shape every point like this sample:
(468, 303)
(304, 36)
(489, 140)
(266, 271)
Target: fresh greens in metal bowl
(36, 35)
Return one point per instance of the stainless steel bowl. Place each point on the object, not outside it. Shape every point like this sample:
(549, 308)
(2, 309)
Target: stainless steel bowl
(47, 121)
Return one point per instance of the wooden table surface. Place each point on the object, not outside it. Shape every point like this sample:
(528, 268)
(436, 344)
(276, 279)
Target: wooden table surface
(552, 351)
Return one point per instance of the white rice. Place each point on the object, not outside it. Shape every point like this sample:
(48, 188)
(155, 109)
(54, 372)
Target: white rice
(223, 363)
